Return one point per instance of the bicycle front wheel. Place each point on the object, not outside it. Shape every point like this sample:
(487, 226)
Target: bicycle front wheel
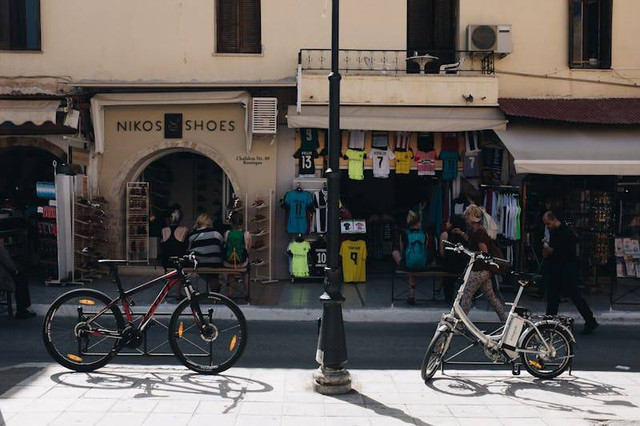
(213, 345)
(73, 342)
(434, 355)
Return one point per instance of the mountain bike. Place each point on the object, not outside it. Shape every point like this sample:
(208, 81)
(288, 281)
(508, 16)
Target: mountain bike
(543, 344)
(84, 329)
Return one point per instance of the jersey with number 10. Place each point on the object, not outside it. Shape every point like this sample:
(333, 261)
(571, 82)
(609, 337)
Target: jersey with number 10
(354, 261)
(298, 202)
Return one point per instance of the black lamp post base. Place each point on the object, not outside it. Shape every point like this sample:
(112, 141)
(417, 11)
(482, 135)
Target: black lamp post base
(330, 381)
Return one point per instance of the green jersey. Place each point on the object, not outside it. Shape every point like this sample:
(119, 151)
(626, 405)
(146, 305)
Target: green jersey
(356, 164)
(299, 259)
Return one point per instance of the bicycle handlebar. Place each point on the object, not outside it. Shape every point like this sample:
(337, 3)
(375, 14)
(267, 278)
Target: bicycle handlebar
(186, 260)
(478, 255)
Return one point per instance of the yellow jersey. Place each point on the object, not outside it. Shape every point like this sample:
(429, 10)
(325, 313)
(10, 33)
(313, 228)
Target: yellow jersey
(403, 162)
(354, 261)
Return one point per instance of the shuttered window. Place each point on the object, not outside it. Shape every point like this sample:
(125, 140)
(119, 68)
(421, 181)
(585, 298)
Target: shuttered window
(590, 33)
(238, 26)
(19, 24)
(432, 26)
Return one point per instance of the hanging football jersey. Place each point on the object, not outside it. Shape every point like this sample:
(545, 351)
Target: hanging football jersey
(320, 201)
(356, 164)
(426, 162)
(307, 165)
(309, 139)
(471, 164)
(318, 257)
(449, 164)
(297, 203)
(449, 141)
(356, 139)
(402, 141)
(354, 261)
(380, 140)
(425, 141)
(381, 159)
(299, 259)
(403, 162)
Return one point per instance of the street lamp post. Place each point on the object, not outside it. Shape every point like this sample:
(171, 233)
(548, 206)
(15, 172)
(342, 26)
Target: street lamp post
(332, 377)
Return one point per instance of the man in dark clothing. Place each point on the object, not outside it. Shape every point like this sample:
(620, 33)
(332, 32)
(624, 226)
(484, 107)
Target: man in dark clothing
(11, 279)
(562, 270)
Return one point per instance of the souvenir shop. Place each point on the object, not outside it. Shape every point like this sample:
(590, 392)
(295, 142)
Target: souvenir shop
(385, 174)
(588, 175)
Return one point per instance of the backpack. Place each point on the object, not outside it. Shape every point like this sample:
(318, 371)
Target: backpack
(235, 251)
(415, 254)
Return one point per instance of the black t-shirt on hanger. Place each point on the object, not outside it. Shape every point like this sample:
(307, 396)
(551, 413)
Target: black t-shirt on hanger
(306, 165)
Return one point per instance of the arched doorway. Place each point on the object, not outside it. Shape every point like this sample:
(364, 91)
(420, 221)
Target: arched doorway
(189, 180)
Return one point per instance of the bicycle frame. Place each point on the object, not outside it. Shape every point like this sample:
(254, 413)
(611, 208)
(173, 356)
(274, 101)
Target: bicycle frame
(174, 277)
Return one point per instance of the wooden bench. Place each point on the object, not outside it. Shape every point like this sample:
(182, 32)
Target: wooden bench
(205, 272)
(431, 273)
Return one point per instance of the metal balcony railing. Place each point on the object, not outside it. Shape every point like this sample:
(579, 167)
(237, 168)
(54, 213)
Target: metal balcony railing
(384, 62)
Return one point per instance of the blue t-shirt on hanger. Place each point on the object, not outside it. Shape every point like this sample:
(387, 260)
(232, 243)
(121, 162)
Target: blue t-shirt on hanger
(298, 202)
(449, 165)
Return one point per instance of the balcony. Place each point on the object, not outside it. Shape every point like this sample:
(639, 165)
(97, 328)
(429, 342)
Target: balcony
(392, 77)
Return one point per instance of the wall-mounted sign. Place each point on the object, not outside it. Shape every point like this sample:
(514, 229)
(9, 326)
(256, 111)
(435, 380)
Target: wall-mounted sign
(174, 125)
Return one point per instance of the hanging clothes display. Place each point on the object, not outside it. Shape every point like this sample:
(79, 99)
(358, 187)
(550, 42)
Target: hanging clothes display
(356, 163)
(297, 203)
(403, 161)
(354, 261)
(318, 257)
(309, 139)
(425, 142)
(380, 140)
(381, 159)
(449, 164)
(402, 141)
(471, 164)
(356, 139)
(426, 162)
(307, 164)
(320, 202)
(299, 250)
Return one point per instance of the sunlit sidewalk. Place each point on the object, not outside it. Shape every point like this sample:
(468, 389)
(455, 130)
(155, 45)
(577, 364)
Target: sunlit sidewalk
(43, 394)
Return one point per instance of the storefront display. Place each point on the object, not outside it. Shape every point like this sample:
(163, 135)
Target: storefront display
(625, 287)
(354, 260)
(138, 221)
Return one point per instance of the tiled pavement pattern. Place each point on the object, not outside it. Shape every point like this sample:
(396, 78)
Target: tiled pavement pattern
(43, 394)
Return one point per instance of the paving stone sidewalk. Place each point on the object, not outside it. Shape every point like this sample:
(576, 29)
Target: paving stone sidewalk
(45, 394)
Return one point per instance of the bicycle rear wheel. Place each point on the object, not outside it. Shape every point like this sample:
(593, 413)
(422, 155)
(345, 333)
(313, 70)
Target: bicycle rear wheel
(541, 364)
(218, 343)
(435, 352)
(68, 338)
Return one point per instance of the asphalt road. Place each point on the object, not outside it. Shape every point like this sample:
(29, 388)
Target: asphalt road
(280, 344)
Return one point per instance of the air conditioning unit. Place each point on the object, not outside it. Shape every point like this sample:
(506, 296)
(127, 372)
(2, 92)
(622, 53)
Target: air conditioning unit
(496, 38)
(264, 119)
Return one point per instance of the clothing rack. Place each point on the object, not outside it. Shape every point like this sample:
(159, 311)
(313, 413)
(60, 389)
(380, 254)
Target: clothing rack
(502, 188)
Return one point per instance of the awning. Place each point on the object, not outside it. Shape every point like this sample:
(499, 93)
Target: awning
(563, 150)
(21, 112)
(410, 119)
(98, 102)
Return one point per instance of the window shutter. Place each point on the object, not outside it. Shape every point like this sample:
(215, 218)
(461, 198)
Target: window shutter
(228, 29)
(418, 25)
(606, 20)
(250, 41)
(444, 26)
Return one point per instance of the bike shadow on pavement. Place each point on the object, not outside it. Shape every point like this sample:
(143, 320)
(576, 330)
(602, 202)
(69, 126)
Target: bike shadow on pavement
(569, 393)
(163, 384)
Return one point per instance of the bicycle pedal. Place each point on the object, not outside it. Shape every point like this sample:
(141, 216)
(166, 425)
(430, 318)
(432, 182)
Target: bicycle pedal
(515, 369)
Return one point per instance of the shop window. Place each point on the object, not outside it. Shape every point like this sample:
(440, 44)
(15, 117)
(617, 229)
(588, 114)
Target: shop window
(432, 26)
(19, 24)
(238, 26)
(590, 33)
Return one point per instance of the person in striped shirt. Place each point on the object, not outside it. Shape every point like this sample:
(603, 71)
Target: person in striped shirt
(206, 244)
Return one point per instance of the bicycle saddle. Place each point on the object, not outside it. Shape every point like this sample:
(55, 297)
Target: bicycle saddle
(524, 278)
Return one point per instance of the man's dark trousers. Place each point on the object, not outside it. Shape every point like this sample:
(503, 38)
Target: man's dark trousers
(563, 282)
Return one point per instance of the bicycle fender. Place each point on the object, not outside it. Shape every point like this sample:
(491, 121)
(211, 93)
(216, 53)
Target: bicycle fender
(546, 322)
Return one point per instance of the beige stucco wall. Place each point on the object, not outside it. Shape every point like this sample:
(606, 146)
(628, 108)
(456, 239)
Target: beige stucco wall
(540, 47)
(152, 41)
(127, 153)
(174, 40)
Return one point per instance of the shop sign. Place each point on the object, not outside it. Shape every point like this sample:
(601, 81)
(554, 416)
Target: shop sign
(252, 160)
(174, 125)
